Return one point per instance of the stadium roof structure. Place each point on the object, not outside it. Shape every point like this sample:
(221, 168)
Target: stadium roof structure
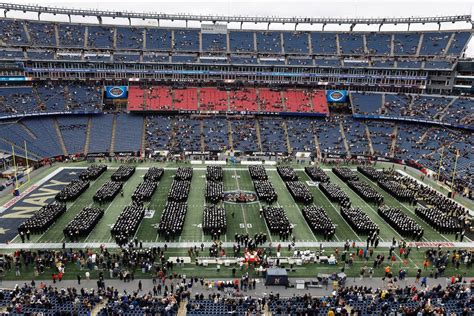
(99, 14)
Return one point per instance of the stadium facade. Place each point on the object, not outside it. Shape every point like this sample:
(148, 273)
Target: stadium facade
(98, 89)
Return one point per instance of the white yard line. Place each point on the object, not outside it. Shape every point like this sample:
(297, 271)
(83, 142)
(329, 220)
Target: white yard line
(335, 209)
(405, 208)
(241, 206)
(300, 213)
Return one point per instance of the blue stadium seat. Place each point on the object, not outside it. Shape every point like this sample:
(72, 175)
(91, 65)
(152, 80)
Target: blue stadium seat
(241, 41)
(269, 42)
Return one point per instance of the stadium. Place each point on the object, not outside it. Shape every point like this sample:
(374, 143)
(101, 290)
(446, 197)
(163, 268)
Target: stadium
(214, 167)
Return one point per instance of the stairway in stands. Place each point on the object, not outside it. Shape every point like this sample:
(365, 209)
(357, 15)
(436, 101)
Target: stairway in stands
(60, 136)
(88, 136)
(112, 142)
(285, 129)
(231, 141)
(259, 137)
(201, 131)
(344, 138)
(441, 114)
(143, 142)
(394, 141)
(371, 146)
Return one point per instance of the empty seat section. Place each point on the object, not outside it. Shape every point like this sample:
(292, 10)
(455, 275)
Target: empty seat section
(216, 134)
(298, 101)
(71, 35)
(405, 43)
(366, 103)
(396, 104)
(52, 97)
(356, 136)
(243, 100)
(300, 133)
(458, 44)
(128, 133)
(73, 130)
(434, 43)
(101, 133)
(241, 41)
(214, 42)
(129, 37)
(159, 98)
(212, 99)
(136, 100)
(320, 103)
(244, 135)
(188, 134)
(42, 34)
(296, 42)
(186, 40)
(329, 136)
(324, 43)
(46, 135)
(158, 132)
(158, 39)
(351, 44)
(100, 36)
(270, 100)
(185, 99)
(379, 43)
(269, 42)
(272, 136)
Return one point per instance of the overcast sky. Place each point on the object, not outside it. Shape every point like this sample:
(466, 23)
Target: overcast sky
(289, 8)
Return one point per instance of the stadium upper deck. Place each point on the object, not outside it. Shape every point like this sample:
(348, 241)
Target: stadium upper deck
(238, 46)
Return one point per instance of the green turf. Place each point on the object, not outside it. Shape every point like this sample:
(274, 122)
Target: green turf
(241, 218)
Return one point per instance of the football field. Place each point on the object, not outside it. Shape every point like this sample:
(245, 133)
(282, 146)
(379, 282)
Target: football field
(241, 218)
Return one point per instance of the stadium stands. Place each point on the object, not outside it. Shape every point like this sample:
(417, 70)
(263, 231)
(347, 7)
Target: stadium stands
(272, 136)
(211, 99)
(216, 134)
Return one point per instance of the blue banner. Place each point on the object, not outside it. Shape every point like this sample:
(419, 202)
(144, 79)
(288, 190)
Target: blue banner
(336, 96)
(116, 92)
